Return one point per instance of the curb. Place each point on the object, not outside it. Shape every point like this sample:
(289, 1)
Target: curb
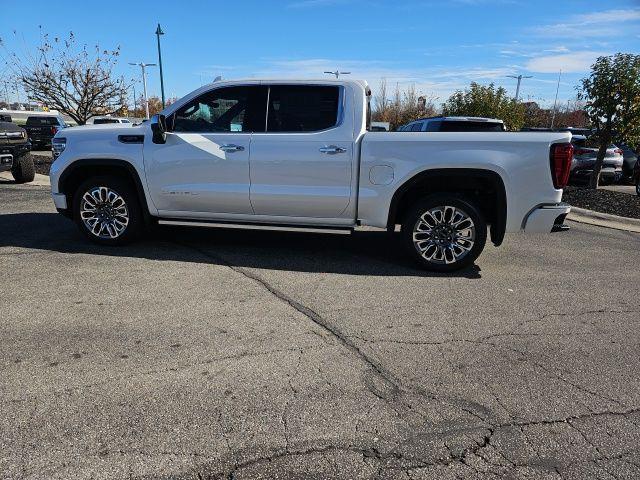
(582, 215)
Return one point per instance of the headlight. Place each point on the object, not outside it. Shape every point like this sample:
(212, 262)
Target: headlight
(58, 145)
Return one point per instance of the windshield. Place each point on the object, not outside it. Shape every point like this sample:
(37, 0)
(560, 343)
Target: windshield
(98, 121)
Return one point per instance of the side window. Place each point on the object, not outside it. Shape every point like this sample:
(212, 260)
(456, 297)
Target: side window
(302, 108)
(416, 127)
(232, 109)
(433, 126)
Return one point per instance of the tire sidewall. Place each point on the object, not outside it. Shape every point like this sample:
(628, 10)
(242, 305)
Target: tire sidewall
(435, 200)
(23, 169)
(126, 191)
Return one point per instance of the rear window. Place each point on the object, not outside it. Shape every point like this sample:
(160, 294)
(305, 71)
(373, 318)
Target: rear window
(302, 108)
(461, 126)
(42, 121)
(98, 121)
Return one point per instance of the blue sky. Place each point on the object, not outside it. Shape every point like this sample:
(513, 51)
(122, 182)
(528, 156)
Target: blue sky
(439, 46)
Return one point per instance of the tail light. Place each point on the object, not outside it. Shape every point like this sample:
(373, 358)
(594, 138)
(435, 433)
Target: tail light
(618, 151)
(560, 160)
(54, 130)
(582, 151)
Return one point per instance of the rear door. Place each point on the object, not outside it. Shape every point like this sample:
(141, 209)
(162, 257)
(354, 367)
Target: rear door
(301, 166)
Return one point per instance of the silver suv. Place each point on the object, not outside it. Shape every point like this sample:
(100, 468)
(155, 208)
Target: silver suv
(454, 124)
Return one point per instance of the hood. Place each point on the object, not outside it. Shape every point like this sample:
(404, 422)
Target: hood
(106, 129)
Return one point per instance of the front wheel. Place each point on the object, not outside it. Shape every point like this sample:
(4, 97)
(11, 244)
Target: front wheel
(107, 211)
(444, 233)
(23, 169)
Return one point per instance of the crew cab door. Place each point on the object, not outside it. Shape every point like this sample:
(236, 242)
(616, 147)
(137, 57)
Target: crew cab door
(203, 168)
(302, 165)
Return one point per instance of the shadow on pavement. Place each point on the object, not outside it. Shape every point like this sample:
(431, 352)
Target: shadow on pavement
(363, 253)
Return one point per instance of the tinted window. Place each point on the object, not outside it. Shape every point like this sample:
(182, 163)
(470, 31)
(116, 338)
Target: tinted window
(98, 121)
(39, 121)
(302, 108)
(433, 126)
(579, 142)
(416, 127)
(232, 109)
(461, 126)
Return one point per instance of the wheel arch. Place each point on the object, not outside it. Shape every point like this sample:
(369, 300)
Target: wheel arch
(486, 186)
(72, 176)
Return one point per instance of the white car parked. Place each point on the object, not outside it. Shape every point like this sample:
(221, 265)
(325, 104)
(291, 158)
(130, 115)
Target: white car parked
(299, 154)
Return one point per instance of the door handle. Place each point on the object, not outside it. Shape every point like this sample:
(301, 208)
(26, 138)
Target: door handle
(230, 147)
(332, 149)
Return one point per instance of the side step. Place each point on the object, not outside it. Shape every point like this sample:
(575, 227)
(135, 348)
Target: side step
(251, 226)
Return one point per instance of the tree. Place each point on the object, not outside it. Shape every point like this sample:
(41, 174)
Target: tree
(612, 95)
(155, 106)
(403, 108)
(76, 81)
(486, 101)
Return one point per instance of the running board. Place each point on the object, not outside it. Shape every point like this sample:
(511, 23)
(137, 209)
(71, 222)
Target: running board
(249, 226)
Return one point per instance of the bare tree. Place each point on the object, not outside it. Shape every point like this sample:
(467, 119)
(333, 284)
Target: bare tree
(76, 81)
(403, 107)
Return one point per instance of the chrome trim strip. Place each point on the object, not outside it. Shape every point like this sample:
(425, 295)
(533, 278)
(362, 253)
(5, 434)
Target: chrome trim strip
(248, 226)
(548, 206)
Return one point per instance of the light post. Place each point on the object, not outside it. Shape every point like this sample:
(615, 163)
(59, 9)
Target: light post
(144, 82)
(337, 73)
(158, 33)
(555, 102)
(519, 77)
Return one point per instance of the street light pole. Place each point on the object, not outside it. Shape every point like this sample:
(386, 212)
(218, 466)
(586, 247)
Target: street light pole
(519, 77)
(158, 33)
(144, 82)
(555, 102)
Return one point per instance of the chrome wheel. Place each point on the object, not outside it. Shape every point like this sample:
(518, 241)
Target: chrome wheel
(104, 212)
(444, 234)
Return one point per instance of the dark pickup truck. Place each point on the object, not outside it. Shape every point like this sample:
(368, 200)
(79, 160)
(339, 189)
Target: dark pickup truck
(42, 128)
(14, 146)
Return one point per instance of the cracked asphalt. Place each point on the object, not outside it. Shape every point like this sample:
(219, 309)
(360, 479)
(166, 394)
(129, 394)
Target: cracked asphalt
(226, 354)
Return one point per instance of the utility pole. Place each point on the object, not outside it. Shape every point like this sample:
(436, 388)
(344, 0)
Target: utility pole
(555, 102)
(158, 33)
(519, 77)
(337, 73)
(144, 82)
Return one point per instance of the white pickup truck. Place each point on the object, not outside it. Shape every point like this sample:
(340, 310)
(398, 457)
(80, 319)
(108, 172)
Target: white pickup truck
(298, 154)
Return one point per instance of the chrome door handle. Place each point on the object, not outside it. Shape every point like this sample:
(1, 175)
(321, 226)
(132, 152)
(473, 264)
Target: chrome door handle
(230, 147)
(332, 149)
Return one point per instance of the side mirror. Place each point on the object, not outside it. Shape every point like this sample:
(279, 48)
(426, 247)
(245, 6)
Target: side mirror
(159, 128)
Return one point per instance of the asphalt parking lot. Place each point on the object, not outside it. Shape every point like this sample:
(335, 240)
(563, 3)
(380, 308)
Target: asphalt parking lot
(224, 354)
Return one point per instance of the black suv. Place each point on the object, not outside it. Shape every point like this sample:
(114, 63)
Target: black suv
(14, 146)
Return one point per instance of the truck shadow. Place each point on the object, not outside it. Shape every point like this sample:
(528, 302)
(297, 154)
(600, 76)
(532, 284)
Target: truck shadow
(363, 253)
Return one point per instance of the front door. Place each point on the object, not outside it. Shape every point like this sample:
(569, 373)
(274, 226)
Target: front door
(203, 168)
(302, 165)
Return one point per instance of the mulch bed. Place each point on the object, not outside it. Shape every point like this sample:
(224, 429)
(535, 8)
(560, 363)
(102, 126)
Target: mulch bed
(42, 163)
(604, 201)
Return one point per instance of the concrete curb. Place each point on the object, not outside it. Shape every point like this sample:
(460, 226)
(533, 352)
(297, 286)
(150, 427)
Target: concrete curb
(606, 220)
(38, 181)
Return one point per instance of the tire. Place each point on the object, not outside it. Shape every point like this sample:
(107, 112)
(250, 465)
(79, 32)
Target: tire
(441, 251)
(638, 186)
(114, 217)
(23, 169)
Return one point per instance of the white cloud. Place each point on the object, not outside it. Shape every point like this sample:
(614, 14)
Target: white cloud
(575, 62)
(594, 24)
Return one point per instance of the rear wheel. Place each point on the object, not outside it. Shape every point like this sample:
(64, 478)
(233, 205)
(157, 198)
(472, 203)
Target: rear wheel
(444, 233)
(23, 169)
(107, 211)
